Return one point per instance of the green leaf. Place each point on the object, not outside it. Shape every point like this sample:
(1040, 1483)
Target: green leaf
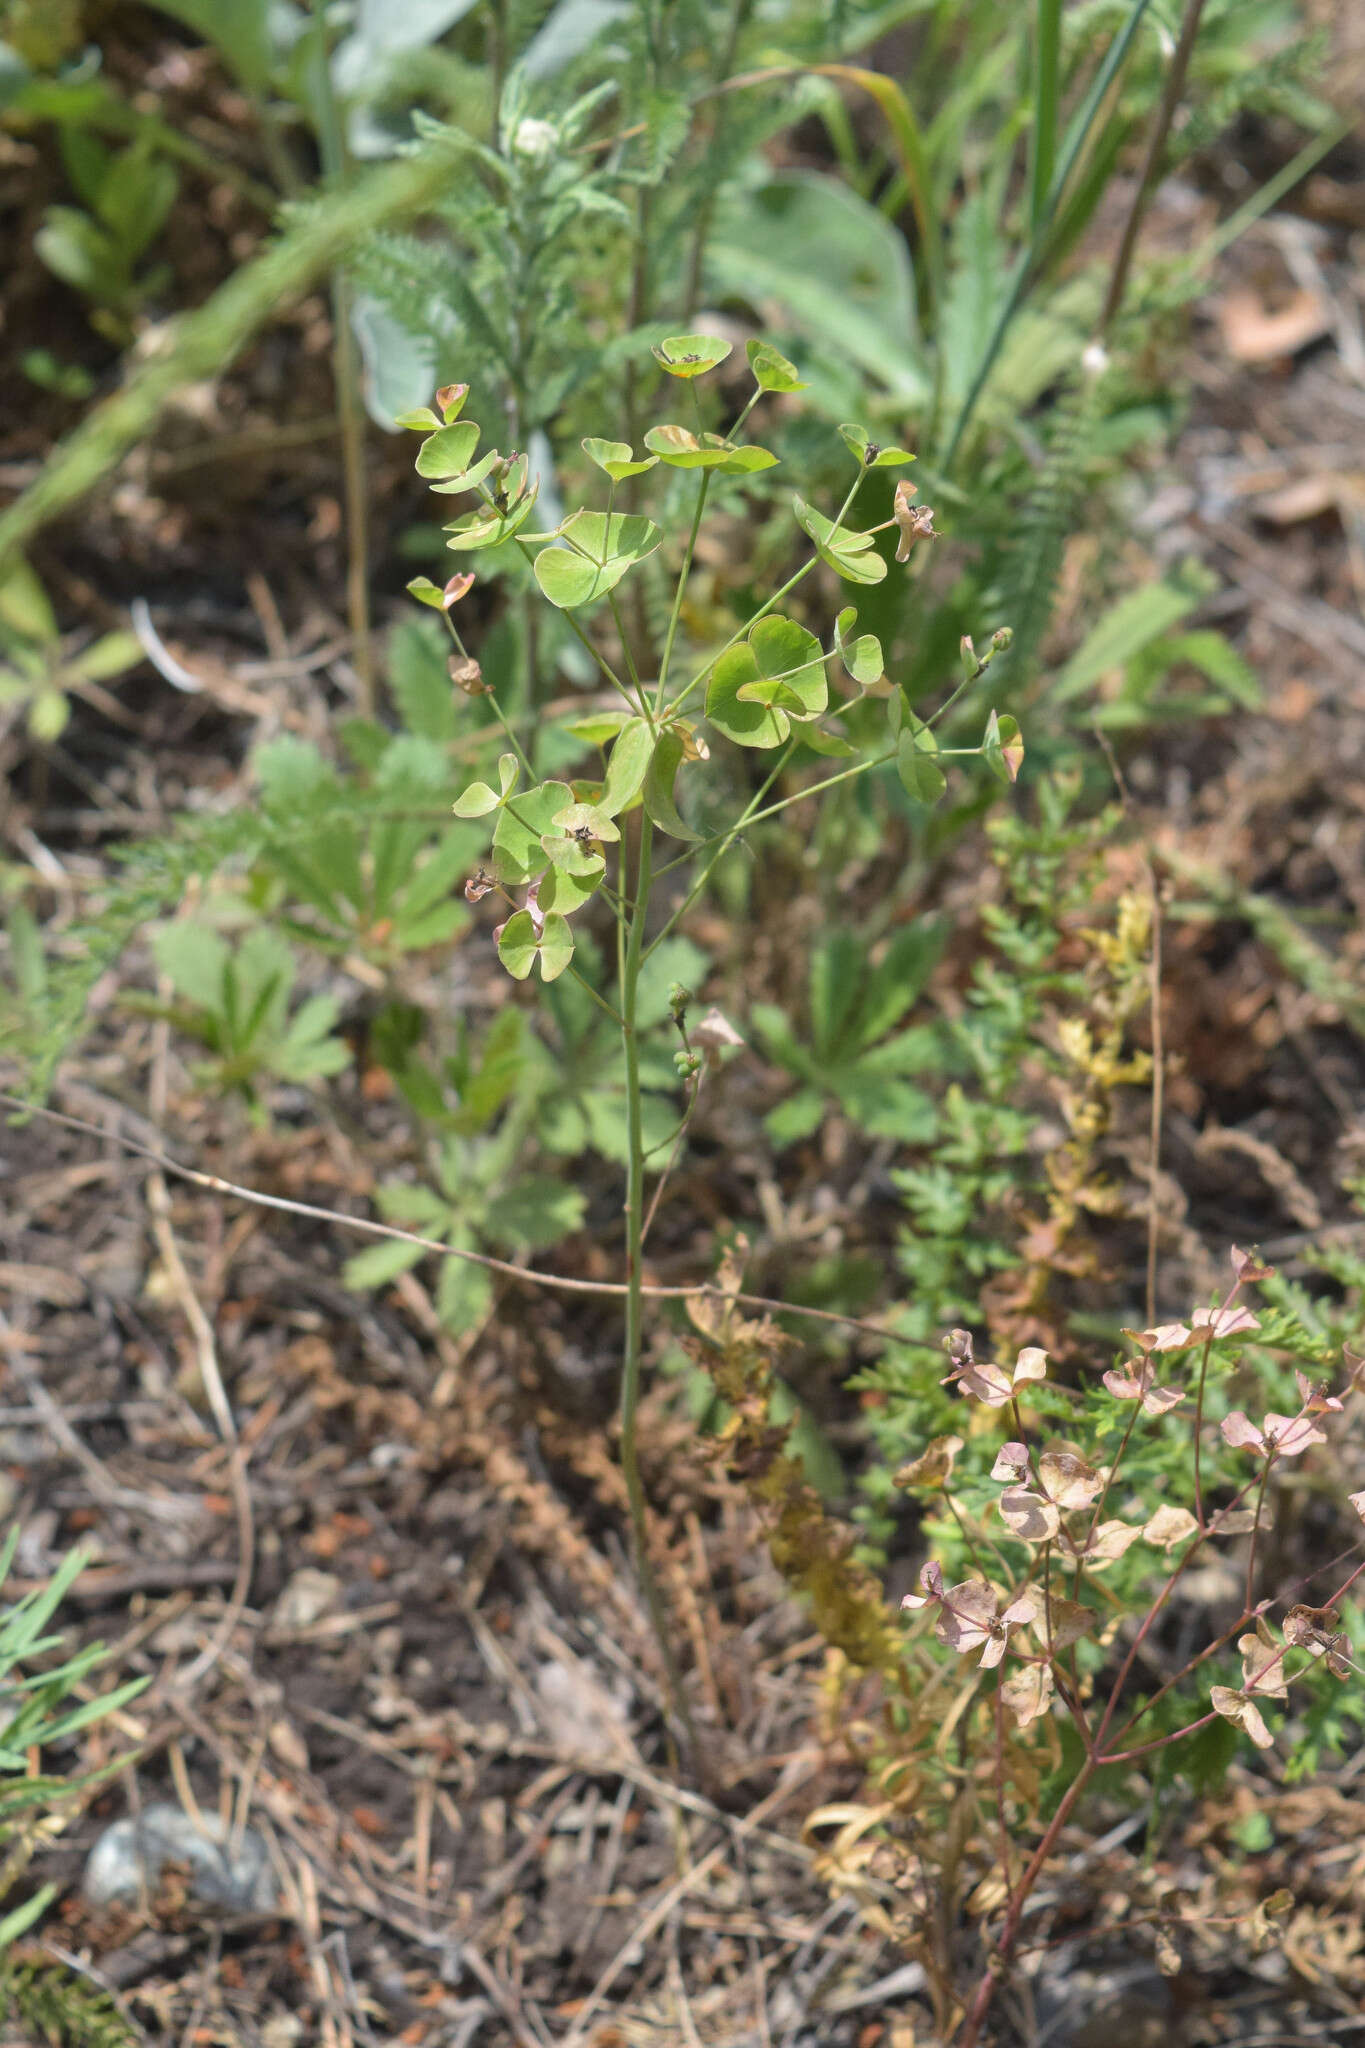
(869, 452)
(519, 947)
(849, 553)
(421, 421)
(616, 459)
(658, 786)
(426, 592)
(577, 818)
(447, 451)
(534, 1212)
(690, 355)
(193, 957)
(861, 657)
(111, 655)
(48, 714)
(627, 767)
(920, 774)
(830, 260)
(831, 744)
(599, 728)
(419, 679)
(771, 370)
(777, 650)
(520, 827)
(681, 449)
(380, 1263)
(476, 801)
(1126, 628)
(1003, 747)
(602, 547)
(487, 528)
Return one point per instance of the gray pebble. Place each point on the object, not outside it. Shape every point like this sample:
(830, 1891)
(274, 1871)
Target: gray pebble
(130, 1855)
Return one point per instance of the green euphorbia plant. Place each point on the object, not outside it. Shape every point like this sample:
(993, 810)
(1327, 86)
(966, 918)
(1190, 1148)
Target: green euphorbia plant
(559, 845)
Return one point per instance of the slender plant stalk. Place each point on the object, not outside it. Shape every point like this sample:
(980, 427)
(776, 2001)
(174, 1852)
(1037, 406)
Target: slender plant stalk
(1047, 46)
(350, 418)
(1030, 258)
(1171, 91)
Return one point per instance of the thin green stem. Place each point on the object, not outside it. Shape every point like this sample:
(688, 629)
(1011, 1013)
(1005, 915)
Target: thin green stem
(680, 593)
(1030, 257)
(350, 419)
(1047, 46)
(739, 633)
(630, 956)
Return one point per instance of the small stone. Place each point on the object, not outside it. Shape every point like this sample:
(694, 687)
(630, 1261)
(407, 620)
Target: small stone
(307, 1596)
(129, 1857)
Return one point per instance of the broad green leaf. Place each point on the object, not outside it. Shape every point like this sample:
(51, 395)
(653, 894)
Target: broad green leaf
(447, 451)
(919, 772)
(420, 421)
(849, 553)
(534, 1212)
(476, 801)
(517, 835)
(467, 479)
(599, 728)
(576, 818)
(487, 528)
(426, 592)
(681, 449)
(193, 957)
(627, 767)
(519, 947)
(25, 609)
(777, 649)
(658, 786)
(870, 452)
(861, 657)
(830, 744)
(690, 355)
(601, 549)
(771, 370)
(48, 715)
(616, 459)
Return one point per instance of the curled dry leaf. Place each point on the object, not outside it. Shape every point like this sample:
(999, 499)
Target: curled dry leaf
(1233, 1522)
(1169, 1526)
(1101, 1546)
(713, 1032)
(991, 1383)
(1067, 1622)
(1028, 1692)
(1011, 1463)
(1165, 1337)
(1280, 1436)
(1315, 1397)
(1247, 1266)
(1138, 1383)
(970, 1616)
(1032, 1519)
(1315, 1629)
(1223, 1322)
(1068, 1480)
(1263, 1663)
(1242, 1710)
(1357, 1501)
(466, 675)
(913, 522)
(934, 1465)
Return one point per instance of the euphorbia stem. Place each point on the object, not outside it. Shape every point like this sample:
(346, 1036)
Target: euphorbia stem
(632, 1359)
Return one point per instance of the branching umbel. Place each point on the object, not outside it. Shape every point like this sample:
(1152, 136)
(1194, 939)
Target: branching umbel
(557, 845)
